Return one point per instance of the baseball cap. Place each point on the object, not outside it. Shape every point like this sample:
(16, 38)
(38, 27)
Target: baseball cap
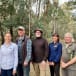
(21, 28)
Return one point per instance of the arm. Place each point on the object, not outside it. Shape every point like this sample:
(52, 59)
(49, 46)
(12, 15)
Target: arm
(15, 57)
(59, 53)
(64, 65)
(72, 61)
(46, 51)
(49, 54)
(32, 52)
(0, 59)
(29, 49)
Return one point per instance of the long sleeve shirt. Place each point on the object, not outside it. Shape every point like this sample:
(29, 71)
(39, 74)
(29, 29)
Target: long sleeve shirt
(8, 56)
(55, 52)
(29, 50)
(20, 49)
(39, 50)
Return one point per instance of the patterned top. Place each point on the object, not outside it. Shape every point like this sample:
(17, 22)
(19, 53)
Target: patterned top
(28, 47)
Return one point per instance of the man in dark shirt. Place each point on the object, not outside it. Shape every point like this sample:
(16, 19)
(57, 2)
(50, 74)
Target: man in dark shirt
(39, 53)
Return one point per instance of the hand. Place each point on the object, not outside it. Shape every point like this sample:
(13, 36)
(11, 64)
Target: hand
(43, 64)
(0, 72)
(14, 72)
(25, 63)
(51, 63)
(63, 65)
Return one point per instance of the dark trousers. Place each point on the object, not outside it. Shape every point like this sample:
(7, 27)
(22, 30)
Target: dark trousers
(55, 70)
(23, 71)
(6, 72)
(20, 70)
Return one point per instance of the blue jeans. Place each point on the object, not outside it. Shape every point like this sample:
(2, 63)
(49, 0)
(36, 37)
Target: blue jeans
(6, 72)
(23, 71)
(26, 70)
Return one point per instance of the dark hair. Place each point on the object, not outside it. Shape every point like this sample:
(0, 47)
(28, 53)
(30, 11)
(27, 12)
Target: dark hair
(56, 35)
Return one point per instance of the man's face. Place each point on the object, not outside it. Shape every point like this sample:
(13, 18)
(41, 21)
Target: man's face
(38, 34)
(21, 32)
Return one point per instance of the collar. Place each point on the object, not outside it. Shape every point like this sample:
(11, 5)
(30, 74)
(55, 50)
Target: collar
(7, 45)
(67, 45)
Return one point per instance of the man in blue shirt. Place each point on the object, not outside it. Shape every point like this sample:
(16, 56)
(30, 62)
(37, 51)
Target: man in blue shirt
(24, 52)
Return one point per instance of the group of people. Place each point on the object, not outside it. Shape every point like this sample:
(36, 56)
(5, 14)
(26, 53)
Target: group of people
(15, 58)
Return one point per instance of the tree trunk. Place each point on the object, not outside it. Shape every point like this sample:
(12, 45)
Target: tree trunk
(2, 36)
(55, 3)
(46, 6)
(11, 31)
(39, 8)
(29, 17)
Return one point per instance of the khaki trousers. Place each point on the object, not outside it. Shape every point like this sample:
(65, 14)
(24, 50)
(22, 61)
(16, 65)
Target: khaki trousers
(40, 70)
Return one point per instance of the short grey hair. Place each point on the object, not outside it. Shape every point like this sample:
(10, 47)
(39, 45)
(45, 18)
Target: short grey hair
(68, 34)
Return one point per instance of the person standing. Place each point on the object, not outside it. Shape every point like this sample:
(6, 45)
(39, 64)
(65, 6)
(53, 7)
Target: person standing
(55, 52)
(68, 60)
(24, 52)
(8, 57)
(39, 53)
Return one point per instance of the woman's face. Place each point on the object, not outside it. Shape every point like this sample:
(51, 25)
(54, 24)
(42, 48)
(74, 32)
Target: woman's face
(55, 39)
(7, 37)
(68, 39)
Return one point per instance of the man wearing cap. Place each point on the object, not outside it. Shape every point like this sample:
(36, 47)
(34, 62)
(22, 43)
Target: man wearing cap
(24, 52)
(39, 53)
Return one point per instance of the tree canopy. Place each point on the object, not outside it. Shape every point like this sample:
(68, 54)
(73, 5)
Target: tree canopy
(50, 17)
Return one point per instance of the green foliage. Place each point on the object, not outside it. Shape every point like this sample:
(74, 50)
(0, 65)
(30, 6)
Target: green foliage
(14, 13)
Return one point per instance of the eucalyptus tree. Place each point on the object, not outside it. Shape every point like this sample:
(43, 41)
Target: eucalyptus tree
(3, 14)
(69, 9)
